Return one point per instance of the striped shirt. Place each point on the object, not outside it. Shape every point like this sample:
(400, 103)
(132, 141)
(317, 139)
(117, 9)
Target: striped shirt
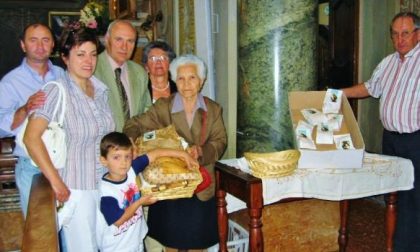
(397, 83)
(86, 121)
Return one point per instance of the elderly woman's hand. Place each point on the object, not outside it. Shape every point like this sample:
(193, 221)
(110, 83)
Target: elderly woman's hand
(195, 151)
(189, 160)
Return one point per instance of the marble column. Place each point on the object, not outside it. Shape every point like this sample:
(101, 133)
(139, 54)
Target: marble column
(277, 54)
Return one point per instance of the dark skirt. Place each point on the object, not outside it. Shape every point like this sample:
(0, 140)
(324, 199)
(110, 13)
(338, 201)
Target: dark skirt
(184, 223)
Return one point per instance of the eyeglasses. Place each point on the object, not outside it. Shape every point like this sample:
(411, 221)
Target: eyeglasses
(160, 58)
(403, 35)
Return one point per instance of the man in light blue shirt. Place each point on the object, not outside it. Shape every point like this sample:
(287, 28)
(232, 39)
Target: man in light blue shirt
(20, 93)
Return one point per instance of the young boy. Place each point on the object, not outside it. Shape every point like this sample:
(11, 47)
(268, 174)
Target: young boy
(121, 225)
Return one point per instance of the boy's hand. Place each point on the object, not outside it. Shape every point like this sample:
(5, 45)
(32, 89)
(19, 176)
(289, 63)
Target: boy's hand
(147, 200)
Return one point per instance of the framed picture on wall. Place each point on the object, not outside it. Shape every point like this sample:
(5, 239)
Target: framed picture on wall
(122, 9)
(57, 20)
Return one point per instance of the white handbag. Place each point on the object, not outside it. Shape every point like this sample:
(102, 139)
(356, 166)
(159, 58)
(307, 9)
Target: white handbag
(54, 136)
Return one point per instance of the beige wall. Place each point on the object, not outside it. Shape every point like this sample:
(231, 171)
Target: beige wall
(374, 45)
(226, 66)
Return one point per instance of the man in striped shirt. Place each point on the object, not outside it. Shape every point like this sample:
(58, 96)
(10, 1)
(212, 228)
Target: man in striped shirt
(396, 82)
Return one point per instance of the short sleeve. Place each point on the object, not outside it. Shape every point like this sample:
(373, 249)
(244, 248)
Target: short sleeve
(110, 209)
(46, 111)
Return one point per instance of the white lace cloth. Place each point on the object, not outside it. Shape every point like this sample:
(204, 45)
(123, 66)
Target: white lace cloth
(380, 174)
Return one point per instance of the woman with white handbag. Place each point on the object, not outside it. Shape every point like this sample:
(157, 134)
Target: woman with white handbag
(87, 118)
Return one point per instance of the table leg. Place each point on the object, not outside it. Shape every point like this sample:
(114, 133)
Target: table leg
(222, 219)
(255, 206)
(255, 232)
(342, 236)
(390, 220)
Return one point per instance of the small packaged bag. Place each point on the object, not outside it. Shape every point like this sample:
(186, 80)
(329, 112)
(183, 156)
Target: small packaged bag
(332, 101)
(343, 142)
(304, 129)
(306, 143)
(314, 116)
(324, 134)
(335, 120)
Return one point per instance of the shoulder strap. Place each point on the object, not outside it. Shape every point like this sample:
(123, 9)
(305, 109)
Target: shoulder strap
(61, 100)
(203, 125)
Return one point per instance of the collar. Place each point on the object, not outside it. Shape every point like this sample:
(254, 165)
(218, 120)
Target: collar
(33, 71)
(114, 64)
(411, 53)
(178, 106)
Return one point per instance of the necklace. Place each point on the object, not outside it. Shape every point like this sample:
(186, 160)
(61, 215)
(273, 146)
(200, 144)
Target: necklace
(160, 89)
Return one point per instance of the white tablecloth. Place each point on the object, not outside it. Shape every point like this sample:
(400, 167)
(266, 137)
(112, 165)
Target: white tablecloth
(380, 174)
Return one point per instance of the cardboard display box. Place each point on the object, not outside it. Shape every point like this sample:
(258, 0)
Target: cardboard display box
(327, 155)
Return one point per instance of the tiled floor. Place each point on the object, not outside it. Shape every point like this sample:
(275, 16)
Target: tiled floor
(366, 228)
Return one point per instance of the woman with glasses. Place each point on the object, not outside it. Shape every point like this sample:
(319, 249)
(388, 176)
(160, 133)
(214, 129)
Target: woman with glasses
(156, 58)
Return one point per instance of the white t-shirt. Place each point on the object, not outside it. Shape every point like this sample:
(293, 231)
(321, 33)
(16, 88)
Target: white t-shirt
(129, 236)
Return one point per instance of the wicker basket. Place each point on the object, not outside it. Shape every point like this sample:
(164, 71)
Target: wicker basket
(174, 188)
(181, 189)
(273, 164)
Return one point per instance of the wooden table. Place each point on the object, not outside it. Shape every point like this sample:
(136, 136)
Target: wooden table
(249, 189)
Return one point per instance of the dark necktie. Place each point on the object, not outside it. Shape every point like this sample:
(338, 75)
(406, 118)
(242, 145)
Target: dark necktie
(123, 94)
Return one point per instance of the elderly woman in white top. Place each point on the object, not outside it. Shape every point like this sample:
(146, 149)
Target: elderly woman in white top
(186, 224)
(87, 119)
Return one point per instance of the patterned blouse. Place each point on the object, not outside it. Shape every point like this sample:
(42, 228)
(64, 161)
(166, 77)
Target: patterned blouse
(86, 121)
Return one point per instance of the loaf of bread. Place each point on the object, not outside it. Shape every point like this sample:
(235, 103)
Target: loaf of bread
(166, 170)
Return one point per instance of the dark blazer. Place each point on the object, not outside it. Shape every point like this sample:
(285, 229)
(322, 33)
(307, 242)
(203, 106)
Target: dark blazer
(215, 138)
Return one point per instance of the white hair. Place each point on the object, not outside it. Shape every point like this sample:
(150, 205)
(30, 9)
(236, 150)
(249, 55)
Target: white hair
(188, 59)
(116, 21)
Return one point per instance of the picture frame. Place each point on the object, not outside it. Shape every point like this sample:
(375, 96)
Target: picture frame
(122, 9)
(57, 20)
